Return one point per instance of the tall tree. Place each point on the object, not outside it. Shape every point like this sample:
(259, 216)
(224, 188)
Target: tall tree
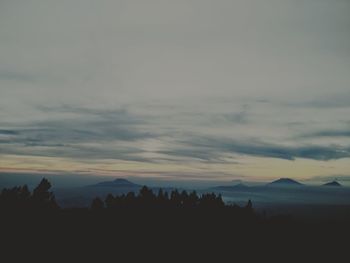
(42, 197)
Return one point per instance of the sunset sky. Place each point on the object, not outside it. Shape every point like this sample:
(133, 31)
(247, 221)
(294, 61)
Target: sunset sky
(176, 90)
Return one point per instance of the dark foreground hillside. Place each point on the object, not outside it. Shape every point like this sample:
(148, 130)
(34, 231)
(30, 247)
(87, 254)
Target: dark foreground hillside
(150, 226)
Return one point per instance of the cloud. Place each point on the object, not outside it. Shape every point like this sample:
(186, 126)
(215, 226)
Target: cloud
(75, 132)
(8, 132)
(87, 125)
(341, 100)
(16, 76)
(87, 134)
(121, 115)
(212, 147)
(193, 153)
(327, 133)
(239, 117)
(224, 73)
(76, 151)
(327, 178)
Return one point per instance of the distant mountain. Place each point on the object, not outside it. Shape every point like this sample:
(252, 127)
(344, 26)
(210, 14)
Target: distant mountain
(83, 196)
(285, 182)
(333, 183)
(116, 183)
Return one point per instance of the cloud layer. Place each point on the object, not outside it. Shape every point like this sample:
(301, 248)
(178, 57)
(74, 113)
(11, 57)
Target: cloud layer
(175, 82)
(119, 134)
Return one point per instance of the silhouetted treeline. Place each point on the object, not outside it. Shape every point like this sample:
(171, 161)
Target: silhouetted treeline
(20, 198)
(146, 198)
(174, 223)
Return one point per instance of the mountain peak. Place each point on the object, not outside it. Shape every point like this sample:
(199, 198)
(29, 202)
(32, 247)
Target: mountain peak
(333, 183)
(119, 182)
(285, 182)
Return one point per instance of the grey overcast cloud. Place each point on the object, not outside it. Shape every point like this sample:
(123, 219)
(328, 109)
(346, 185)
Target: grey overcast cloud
(216, 90)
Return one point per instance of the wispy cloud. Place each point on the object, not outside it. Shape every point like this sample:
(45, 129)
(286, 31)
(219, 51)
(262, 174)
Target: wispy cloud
(159, 82)
(88, 134)
(328, 178)
(8, 132)
(16, 76)
(117, 134)
(327, 133)
(216, 146)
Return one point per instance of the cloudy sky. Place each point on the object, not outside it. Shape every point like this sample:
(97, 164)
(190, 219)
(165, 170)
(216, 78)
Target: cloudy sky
(181, 90)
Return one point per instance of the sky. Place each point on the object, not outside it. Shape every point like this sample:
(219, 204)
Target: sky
(192, 90)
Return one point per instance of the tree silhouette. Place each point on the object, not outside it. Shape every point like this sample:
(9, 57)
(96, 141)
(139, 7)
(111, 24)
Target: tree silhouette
(249, 205)
(25, 193)
(211, 201)
(20, 198)
(161, 198)
(42, 198)
(193, 199)
(130, 199)
(109, 201)
(146, 196)
(97, 204)
(175, 199)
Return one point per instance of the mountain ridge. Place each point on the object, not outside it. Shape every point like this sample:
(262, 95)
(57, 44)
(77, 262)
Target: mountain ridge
(285, 182)
(332, 183)
(118, 182)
